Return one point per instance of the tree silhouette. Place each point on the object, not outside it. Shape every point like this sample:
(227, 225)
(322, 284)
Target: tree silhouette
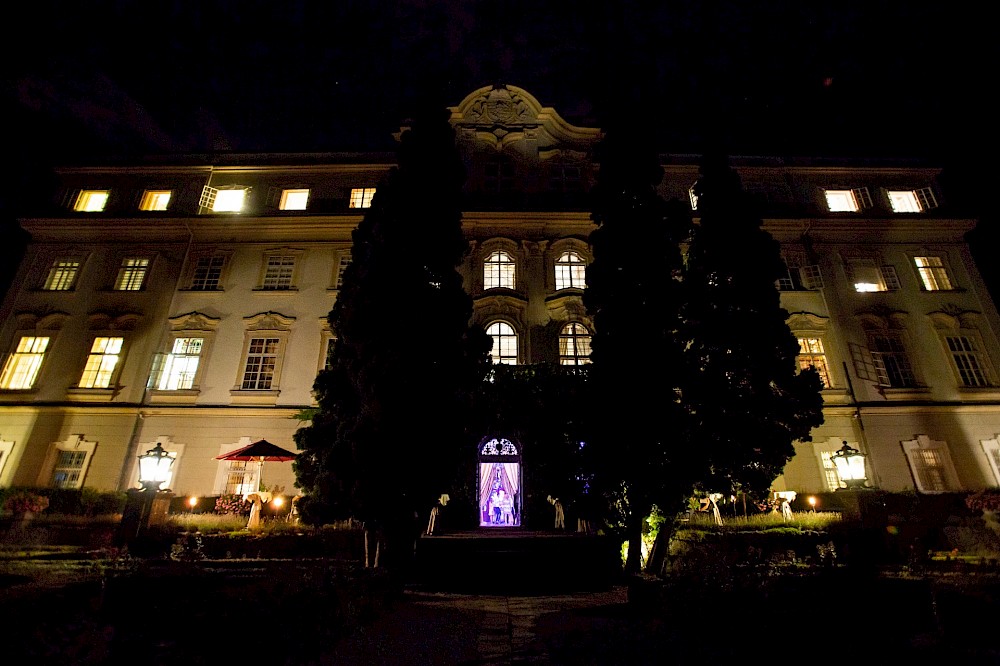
(392, 409)
(634, 295)
(746, 396)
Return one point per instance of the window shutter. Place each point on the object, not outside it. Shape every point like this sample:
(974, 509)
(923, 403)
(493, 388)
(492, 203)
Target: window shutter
(68, 197)
(881, 375)
(811, 276)
(207, 199)
(863, 364)
(890, 278)
(863, 197)
(273, 196)
(925, 196)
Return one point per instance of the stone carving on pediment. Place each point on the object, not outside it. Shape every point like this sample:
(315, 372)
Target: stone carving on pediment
(113, 321)
(807, 321)
(881, 317)
(46, 320)
(511, 308)
(499, 106)
(194, 321)
(951, 316)
(269, 321)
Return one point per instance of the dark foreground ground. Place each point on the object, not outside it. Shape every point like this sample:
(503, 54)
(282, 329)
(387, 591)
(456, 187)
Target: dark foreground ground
(297, 612)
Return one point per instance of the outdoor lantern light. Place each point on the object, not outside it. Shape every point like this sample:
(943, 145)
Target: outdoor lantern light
(154, 468)
(850, 466)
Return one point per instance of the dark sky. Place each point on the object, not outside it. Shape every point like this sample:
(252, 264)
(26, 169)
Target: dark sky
(877, 78)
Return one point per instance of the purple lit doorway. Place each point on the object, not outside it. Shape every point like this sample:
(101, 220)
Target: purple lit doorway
(499, 484)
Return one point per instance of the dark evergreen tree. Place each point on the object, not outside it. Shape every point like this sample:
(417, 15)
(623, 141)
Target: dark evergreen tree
(393, 407)
(634, 296)
(746, 396)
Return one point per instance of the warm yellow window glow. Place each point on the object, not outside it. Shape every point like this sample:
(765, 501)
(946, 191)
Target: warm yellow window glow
(841, 201)
(155, 200)
(132, 274)
(229, 201)
(574, 344)
(21, 368)
(101, 363)
(294, 200)
(570, 271)
(361, 197)
(498, 271)
(905, 202)
(504, 349)
(812, 355)
(933, 273)
(91, 201)
(62, 275)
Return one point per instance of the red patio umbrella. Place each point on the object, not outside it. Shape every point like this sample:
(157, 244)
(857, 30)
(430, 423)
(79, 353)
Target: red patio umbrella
(261, 451)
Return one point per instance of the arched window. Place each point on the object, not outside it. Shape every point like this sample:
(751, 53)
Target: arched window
(570, 271)
(498, 271)
(574, 344)
(504, 343)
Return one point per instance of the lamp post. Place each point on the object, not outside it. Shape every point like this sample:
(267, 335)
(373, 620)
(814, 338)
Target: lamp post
(154, 470)
(850, 467)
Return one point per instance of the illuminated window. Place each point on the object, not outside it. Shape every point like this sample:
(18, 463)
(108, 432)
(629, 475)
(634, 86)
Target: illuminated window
(91, 201)
(504, 349)
(812, 355)
(208, 273)
(62, 275)
(967, 359)
(132, 274)
(848, 201)
(294, 200)
(181, 365)
(361, 197)
(867, 276)
(223, 201)
(912, 201)
(328, 356)
(933, 273)
(155, 200)
(278, 272)
(21, 368)
(260, 365)
(104, 356)
(498, 271)
(892, 365)
(574, 344)
(342, 264)
(570, 271)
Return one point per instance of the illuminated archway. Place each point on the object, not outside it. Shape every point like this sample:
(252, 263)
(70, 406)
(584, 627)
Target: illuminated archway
(499, 484)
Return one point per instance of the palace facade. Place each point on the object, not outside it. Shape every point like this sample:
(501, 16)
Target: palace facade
(183, 301)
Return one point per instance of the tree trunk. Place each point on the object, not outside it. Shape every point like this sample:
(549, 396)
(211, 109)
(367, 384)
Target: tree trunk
(633, 563)
(660, 551)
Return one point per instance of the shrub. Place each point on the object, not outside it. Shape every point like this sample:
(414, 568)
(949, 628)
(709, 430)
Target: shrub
(984, 500)
(233, 504)
(24, 501)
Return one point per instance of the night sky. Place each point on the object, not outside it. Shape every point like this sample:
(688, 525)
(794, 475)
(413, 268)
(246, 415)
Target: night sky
(881, 78)
(875, 79)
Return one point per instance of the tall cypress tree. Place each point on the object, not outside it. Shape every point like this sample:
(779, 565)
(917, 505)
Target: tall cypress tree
(391, 423)
(746, 396)
(634, 295)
